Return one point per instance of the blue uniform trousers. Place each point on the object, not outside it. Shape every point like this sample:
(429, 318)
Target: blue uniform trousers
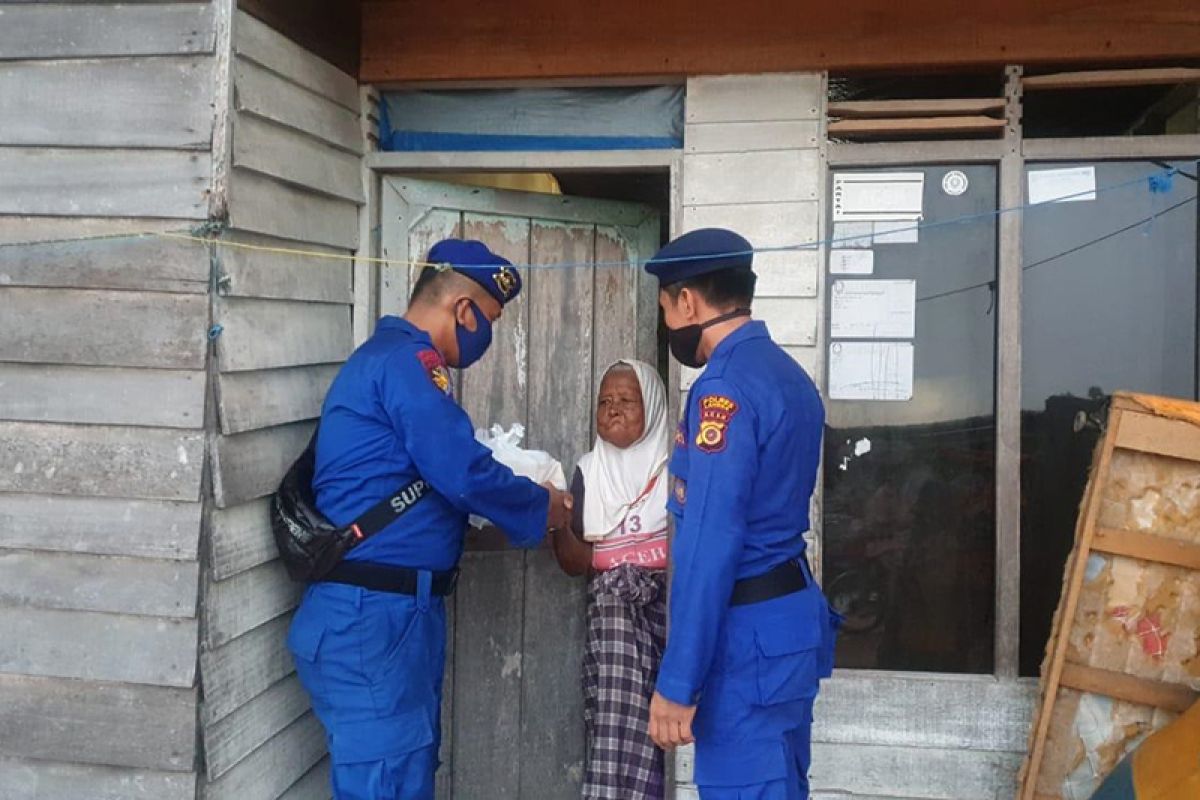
(754, 719)
(372, 662)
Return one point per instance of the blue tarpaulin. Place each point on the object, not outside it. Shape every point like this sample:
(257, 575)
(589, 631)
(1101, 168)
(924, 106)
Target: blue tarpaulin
(533, 119)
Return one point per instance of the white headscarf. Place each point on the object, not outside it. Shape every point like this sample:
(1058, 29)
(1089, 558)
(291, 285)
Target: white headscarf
(615, 480)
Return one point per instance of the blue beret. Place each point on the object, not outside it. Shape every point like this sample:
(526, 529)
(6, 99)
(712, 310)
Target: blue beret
(474, 260)
(699, 253)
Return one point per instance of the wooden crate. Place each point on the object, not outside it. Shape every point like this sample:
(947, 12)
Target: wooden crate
(1122, 659)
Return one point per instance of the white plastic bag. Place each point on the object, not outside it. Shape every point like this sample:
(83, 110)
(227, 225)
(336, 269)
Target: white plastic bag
(537, 465)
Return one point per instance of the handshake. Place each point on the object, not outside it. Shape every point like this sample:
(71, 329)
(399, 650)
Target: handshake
(561, 503)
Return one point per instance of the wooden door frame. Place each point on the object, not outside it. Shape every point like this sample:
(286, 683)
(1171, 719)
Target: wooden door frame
(379, 164)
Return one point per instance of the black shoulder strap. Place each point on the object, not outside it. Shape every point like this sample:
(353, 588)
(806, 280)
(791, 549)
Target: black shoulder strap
(390, 509)
(383, 513)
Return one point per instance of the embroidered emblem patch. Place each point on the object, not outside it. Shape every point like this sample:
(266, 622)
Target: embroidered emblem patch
(506, 282)
(680, 436)
(680, 491)
(436, 367)
(715, 413)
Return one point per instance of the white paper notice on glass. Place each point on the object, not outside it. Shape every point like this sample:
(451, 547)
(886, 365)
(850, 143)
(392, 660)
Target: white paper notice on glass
(1066, 185)
(872, 196)
(852, 234)
(871, 371)
(851, 262)
(873, 309)
(896, 232)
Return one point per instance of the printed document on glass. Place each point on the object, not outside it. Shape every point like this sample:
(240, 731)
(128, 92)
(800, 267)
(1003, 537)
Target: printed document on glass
(1066, 185)
(871, 371)
(851, 262)
(867, 309)
(873, 196)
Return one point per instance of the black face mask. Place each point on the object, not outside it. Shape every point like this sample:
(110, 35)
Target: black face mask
(685, 341)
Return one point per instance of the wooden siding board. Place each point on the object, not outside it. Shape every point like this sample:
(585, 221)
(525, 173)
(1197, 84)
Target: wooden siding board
(313, 786)
(237, 672)
(257, 41)
(250, 465)
(272, 768)
(968, 713)
(791, 273)
(267, 95)
(134, 102)
(74, 582)
(778, 224)
(91, 646)
(920, 772)
(743, 98)
(100, 525)
(49, 229)
(263, 334)
(296, 158)
(101, 460)
(38, 779)
(283, 276)
(103, 328)
(247, 600)
(81, 30)
(104, 183)
(743, 137)
(230, 740)
(764, 177)
(262, 204)
(146, 263)
(97, 723)
(241, 538)
(102, 395)
(792, 322)
(263, 398)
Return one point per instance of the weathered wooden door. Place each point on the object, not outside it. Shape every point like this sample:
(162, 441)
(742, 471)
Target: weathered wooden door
(512, 714)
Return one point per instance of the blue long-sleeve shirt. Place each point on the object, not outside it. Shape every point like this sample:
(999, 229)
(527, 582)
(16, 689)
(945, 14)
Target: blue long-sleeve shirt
(743, 472)
(389, 418)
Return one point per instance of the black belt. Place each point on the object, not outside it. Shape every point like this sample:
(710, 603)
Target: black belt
(786, 578)
(383, 578)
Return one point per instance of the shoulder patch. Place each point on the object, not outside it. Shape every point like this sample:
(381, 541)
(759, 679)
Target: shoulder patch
(716, 411)
(435, 365)
(680, 436)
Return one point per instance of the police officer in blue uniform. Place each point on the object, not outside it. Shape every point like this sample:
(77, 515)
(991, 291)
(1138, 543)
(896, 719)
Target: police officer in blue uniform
(369, 639)
(750, 632)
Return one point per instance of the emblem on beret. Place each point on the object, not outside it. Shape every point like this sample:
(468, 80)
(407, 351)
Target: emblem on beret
(506, 281)
(436, 367)
(715, 413)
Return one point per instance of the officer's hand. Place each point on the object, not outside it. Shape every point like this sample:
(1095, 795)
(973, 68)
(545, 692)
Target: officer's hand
(559, 516)
(670, 723)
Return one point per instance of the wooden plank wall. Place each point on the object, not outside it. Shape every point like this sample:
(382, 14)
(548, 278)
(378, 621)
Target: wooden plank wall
(105, 128)
(753, 162)
(293, 183)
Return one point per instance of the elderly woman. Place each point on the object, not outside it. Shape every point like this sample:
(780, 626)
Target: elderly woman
(620, 536)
